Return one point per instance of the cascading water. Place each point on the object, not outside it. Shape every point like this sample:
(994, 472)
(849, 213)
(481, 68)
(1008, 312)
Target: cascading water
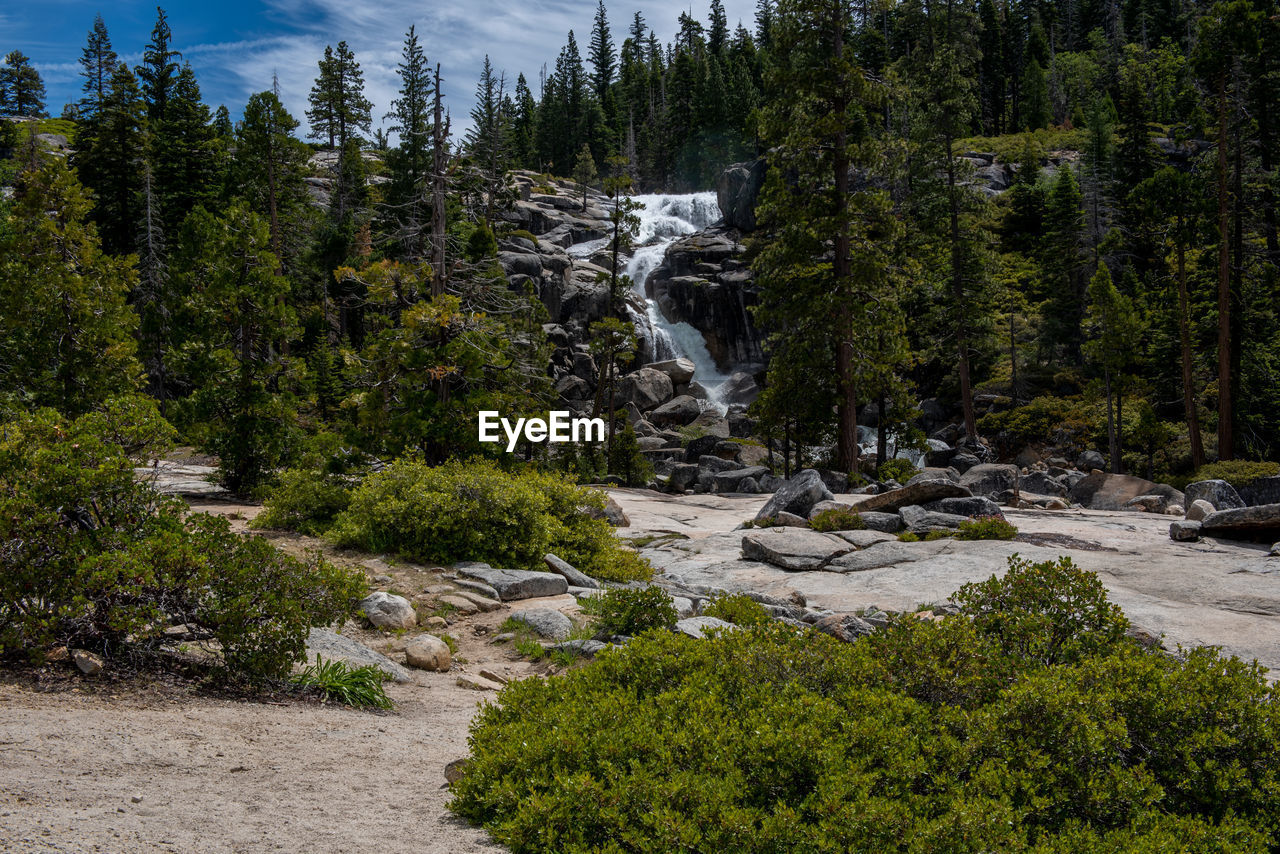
(663, 219)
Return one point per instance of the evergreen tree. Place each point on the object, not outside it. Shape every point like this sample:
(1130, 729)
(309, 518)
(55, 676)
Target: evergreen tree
(718, 31)
(66, 331)
(410, 161)
(1064, 225)
(108, 159)
(1035, 97)
(1115, 329)
(21, 89)
(584, 171)
(97, 63)
(268, 173)
(604, 61)
(158, 73)
(339, 109)
(185, 154)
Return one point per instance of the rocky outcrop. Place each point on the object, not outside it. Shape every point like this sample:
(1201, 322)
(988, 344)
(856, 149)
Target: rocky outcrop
(702, 281)
(797, 495)
(1243, 523)
(1101, 491)
(1218, 493)
(737, 191)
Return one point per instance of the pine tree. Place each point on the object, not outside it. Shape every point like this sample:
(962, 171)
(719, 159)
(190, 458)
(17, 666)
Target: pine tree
(184, 152)
(153, 298)
(604, 62)
(323, 100)
(339, 109)
(718, 31)
(1062, 263)
(97, 62)
(108, 158)
(488, 140)
(268, 172)
(584, 171)
(21, 89)
(410, 161)
(1115, 328)
(1035, 97)
(158, 73)
(66, 331)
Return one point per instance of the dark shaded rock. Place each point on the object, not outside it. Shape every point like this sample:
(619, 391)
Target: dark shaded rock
(682, 477)
(730, 481)
(975, 506)
(990, 478)
(1219, 493)
(1101, 491)
(915, 492)
(836, 481)
(740, 388)
(1090, 460)
(737, 189)
(1243, 522)
(1264, 490)
(918, 520)
(676, 412)
(1185, 531)
(844, 627)
(699, 447)
(797, 495)
(1042, 484)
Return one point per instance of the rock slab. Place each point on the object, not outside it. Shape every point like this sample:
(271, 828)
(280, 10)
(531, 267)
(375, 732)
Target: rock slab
(794, 549)
(330, 645)
(513, 584)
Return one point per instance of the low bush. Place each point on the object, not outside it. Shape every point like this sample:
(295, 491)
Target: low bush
(925, 737)
(309, 497)
(897, 469)
(737, 608)
(360, 687)
(986, 528)
(1237, 472)
(633, 611)
(476, 511)
(1065, 423)
(837, 519)
(94, 559)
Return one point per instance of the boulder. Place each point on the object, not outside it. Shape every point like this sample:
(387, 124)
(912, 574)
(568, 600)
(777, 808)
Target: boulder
(1185, 531)
(428, 652)
(1243, 522)
(676, 412)
(915, 492)
(1220, 494)
(836, 481)
(1151, 504)
(887, 523)
(478, 683)
(1102, 491)
(335, 647)
(513, 584)
(1043, 484)
(646, 388)
(583, 648)
(88, 663)
(679, 370)
(844, 627)
(740, 388)
(975, 506)
(682, 477)
(864, 539)
(1264, 490)
(545, 623)
(388, 611)
(1090, 460)
(919, 520)
(571, 575)
(990, 478)
(696, 627)
(797, 495)
(795, 549)
(749, 486)
(736, 191)
(731, 481)
(1198, 509)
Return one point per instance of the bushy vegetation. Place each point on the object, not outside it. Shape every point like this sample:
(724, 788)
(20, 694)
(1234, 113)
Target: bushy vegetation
(309, 497)
(95, 559)
(986, 528)
(897, 469)
(737, 608)
(633, 611)
(1237, 472)
(476, 511)
(1066, 423)
(1036, 726)
(837, 519)
(335, 680)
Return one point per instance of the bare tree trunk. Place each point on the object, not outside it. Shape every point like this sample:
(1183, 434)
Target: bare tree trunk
(439, 139)
(1226, 441)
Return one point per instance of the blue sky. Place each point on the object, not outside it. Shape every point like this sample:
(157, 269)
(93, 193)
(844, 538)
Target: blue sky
(236, 45)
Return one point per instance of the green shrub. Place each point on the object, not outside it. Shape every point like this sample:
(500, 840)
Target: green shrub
(627, 461)
(837, 519)
(897, 469)
(360, 687)
(526, 234)
(309, 497)
(95, 559)
(925, 737)
(1237, 472)
(737, 608)
(1066, 423)
(476, 511)
(986, 528)
(633, 611)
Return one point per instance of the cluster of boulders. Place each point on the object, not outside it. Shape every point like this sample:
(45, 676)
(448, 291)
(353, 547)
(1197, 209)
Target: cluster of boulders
(1216, 508)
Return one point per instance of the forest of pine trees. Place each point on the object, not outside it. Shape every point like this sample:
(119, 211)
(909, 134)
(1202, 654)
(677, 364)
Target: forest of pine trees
(1123, 290)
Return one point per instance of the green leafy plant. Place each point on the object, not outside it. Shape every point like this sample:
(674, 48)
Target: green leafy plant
(477, 511)
(986, 528)
(837, 519)
(633, 611)
(908, 537)
(1237, 472)
(360, 687)
(897, 469)
(737, 608)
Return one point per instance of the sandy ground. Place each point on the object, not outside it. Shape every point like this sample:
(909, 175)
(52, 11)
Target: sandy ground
(120, 767)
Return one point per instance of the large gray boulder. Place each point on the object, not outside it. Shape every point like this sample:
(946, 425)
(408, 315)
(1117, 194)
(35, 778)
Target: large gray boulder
(1264, 490)
(428, 652)
(1243, 523)
(570, 573)
(975, 506)
(335, 647)
(919, 520)
(729, 481)
(1042, 484)
(1219, 493)
(1102, 491)
(797, 495)
(990, 478)
(915, 492)
(697, 627)
(545, 623)
(388, 611)
(513, 584)
(736, 191)
(1090, 460)
(679, 370)
(740, 388)
(676, 412)
(647, 388)
(793, 549)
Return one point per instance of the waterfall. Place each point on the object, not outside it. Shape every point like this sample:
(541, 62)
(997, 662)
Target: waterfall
(663, 219)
